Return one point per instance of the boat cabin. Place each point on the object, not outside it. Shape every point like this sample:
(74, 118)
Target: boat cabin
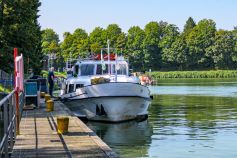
(83, 71)
(88, 68)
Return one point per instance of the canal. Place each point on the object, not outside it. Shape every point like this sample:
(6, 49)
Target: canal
(187, 118)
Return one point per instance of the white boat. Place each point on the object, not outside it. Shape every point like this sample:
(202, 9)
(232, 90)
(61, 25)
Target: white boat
(102, 90)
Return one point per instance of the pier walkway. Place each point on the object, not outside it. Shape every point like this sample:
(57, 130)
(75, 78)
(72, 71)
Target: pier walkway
(39, 138)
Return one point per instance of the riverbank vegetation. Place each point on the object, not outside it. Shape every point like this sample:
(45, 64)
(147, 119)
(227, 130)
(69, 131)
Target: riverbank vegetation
(5, 90)
(195, 74)
(58, 74)
(158, 46)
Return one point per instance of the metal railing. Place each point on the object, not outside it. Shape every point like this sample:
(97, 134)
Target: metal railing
(8, 115)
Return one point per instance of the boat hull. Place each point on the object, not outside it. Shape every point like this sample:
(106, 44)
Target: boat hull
(113, 102)
(112, 109)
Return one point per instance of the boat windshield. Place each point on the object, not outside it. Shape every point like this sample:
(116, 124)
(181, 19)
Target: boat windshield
(87, 69)
(102, 70)
(121, 69)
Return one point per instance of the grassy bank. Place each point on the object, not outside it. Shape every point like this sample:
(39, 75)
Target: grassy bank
(62, 74)
(195, 74)
(7, 90)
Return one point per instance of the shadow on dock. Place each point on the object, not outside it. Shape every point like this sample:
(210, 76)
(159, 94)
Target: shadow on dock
(39, 138)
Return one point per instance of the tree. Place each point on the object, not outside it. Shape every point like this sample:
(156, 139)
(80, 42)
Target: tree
(222, 49)
(152, 56)
(66, 45)
(198, 40)
(50, 41)
(80, 43)
(134, 49)
(176, 56)
(234, 54)
(121, 41)
(20, 28)
(113, 31)
(190, 24)
(76, 44)
(169, 36)
(50, 46)
(97, 39)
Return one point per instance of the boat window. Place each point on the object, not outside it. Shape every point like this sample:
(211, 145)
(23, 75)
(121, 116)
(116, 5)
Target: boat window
(87, 69)
(100, 71)
(76, 70)
(79, 85)
(121, 69)
(71, 88)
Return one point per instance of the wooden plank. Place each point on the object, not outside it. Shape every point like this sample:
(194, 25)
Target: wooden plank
(38, 136)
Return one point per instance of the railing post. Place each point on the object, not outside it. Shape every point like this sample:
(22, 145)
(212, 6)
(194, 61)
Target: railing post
(17, 112)
(5, 129)
(16, 94)
(11, 114)
(14, 114)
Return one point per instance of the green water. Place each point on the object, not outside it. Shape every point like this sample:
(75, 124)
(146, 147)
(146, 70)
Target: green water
(187, 119)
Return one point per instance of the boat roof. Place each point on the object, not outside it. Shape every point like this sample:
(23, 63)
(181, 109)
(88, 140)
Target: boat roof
(93, 61)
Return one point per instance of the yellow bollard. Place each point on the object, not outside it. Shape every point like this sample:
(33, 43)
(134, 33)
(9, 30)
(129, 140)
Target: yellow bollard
(62, 123)
(47, 97)
(50, 106)
(42, 94)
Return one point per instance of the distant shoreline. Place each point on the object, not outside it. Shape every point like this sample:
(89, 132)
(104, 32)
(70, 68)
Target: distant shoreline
(194, 74)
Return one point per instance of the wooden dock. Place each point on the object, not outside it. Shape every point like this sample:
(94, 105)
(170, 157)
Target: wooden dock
(38, 136)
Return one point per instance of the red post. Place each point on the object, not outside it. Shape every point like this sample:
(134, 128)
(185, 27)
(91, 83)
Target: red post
(15, 71)
(16, 93)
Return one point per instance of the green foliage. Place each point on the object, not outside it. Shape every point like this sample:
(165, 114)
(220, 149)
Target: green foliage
(190, 24)
(134, 49)
(199, 39)
(97, 39)
(19, 28)
(152, 51)
(60, 74)
(76, 44)
(113, 31)
(195, 74)
(50, 45)
(4, 90)
(176, 54)
(234, 55)
(169, 44)
(121, 41)
(159, 46)
(50, 41)
(222, 50)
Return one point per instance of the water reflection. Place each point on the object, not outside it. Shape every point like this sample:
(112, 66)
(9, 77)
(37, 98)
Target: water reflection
(181, 124)
(194, 126)
(201, 87)
(132, 139)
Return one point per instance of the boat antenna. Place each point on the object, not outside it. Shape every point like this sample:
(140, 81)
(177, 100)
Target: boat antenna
(116, 63)
(102, 61)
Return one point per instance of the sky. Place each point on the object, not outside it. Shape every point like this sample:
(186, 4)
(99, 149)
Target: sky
(67, 15)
